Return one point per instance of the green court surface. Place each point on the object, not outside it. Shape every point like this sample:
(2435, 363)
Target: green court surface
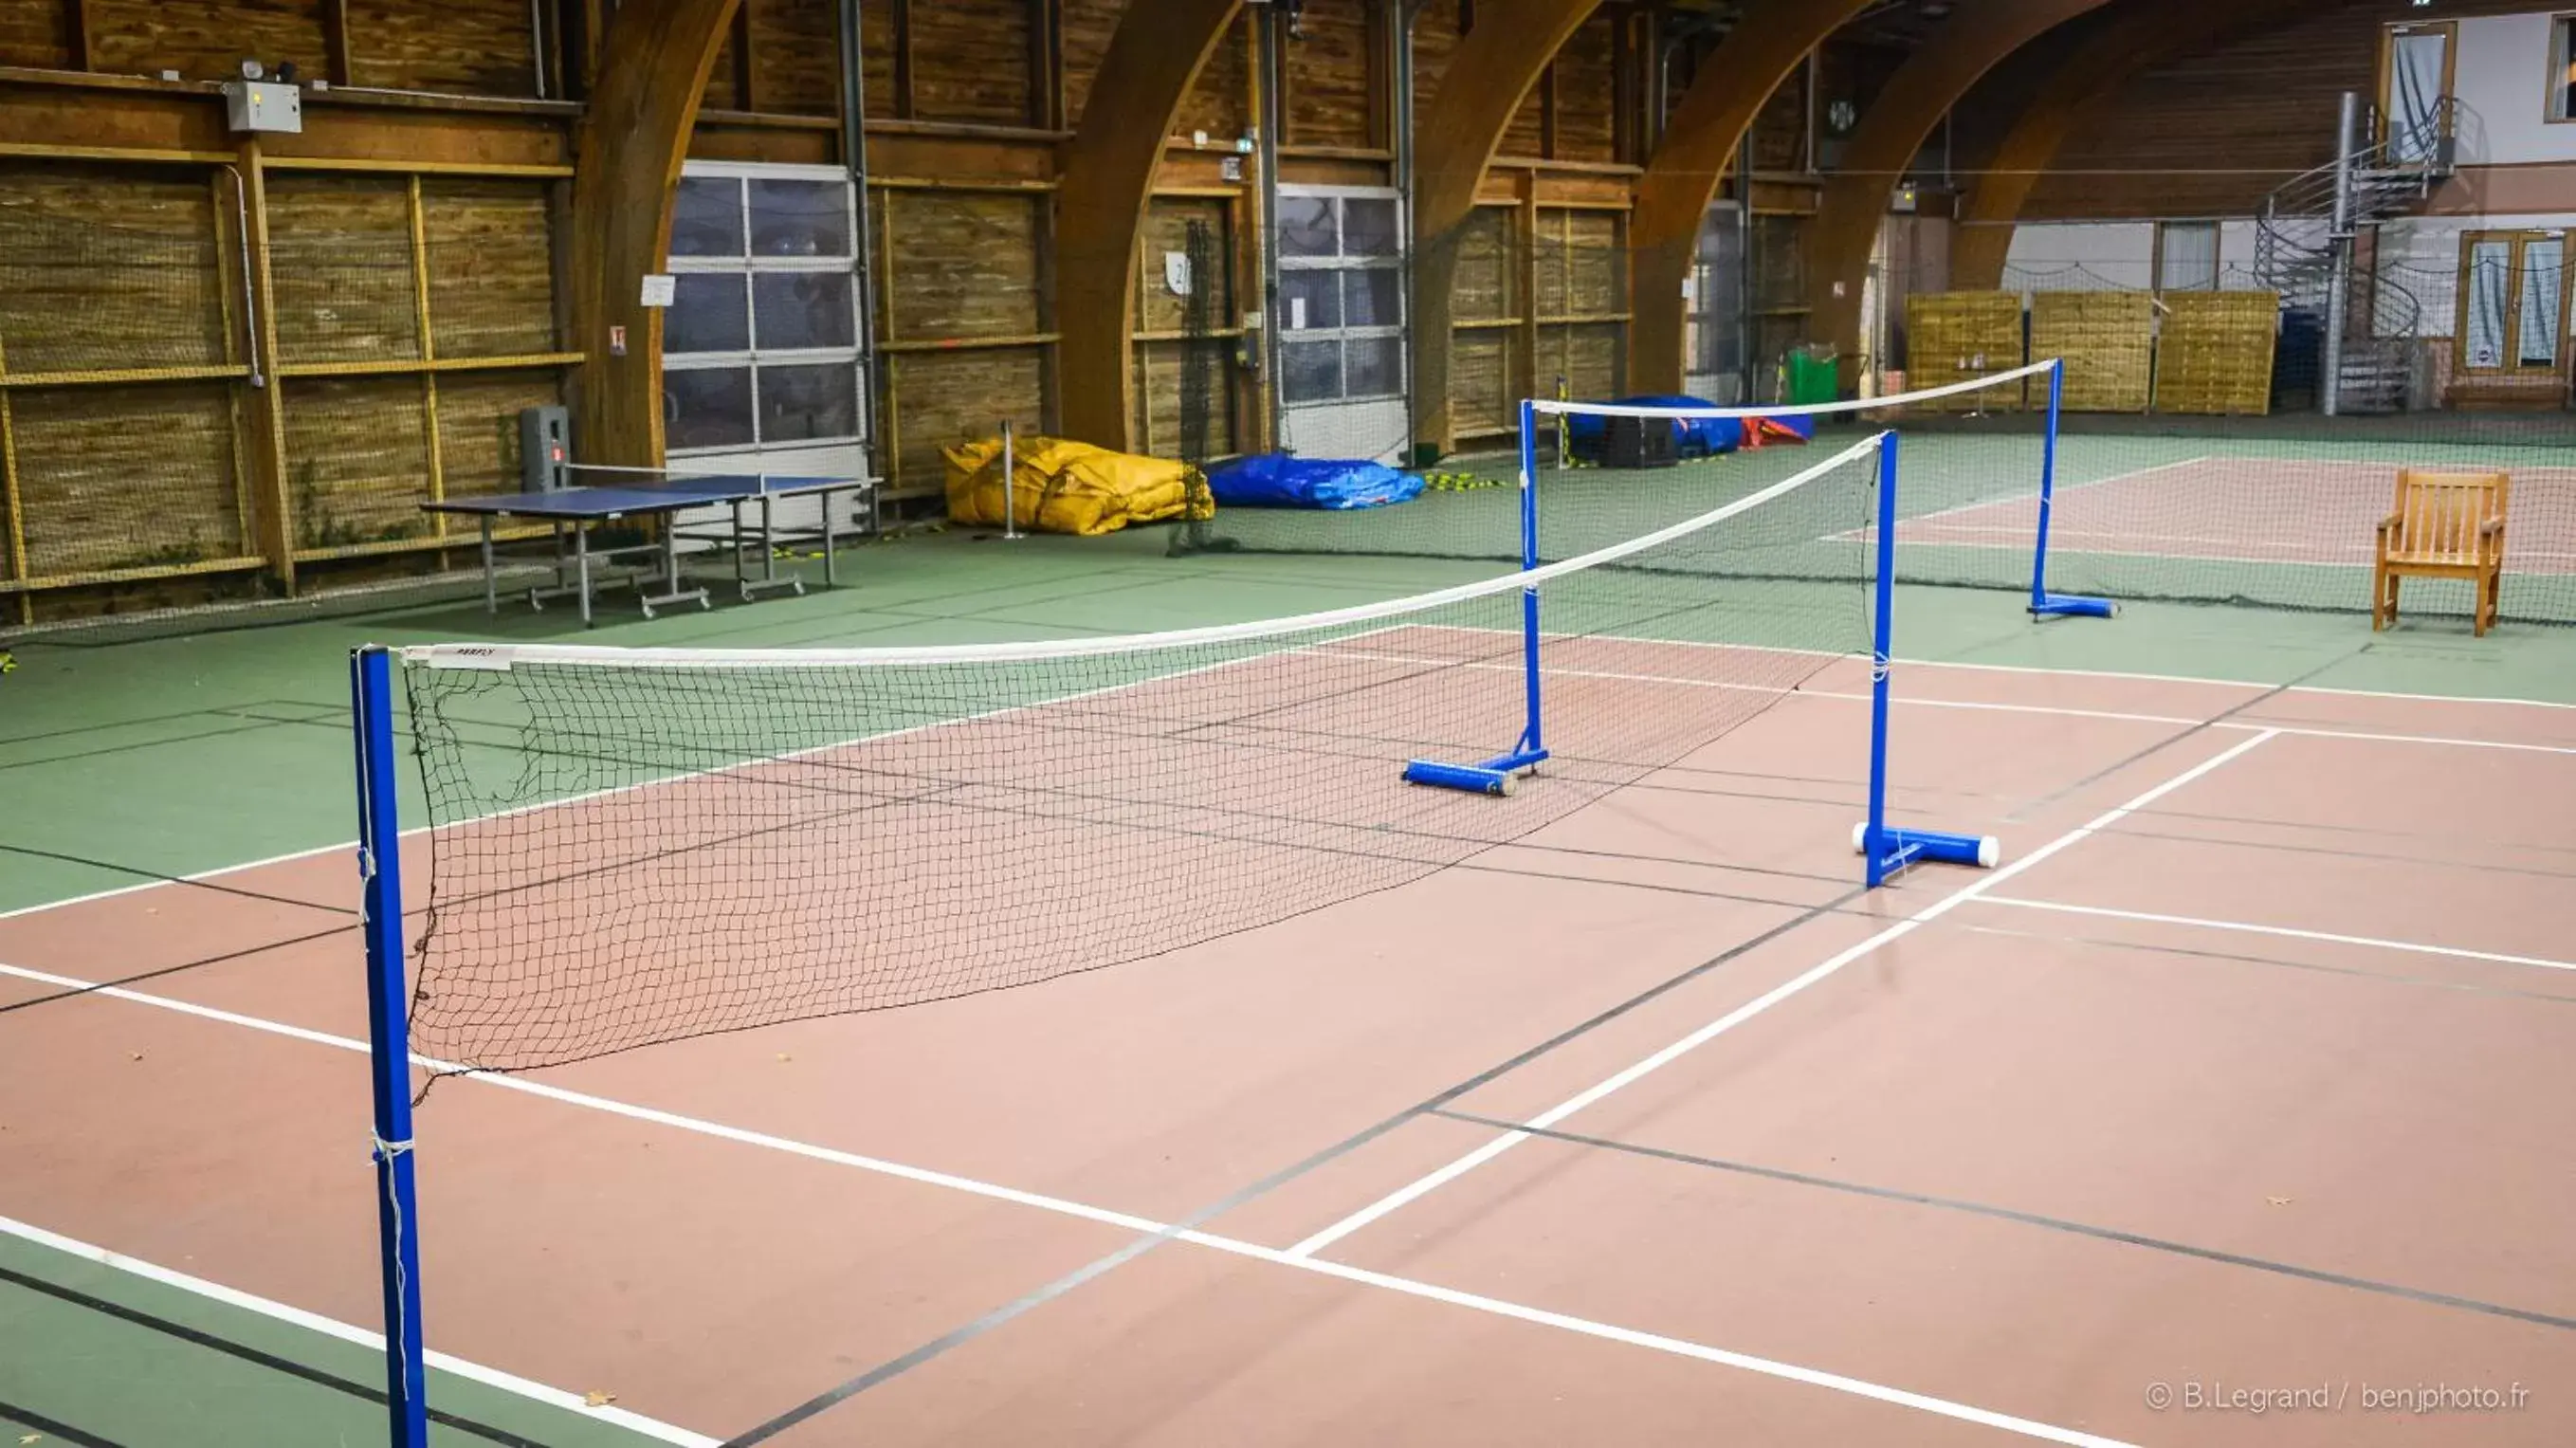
(124, 760)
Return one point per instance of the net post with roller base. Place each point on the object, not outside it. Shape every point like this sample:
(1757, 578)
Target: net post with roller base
(1495, 775)
(389, 1045)
(2044, 604)
(1886, 851)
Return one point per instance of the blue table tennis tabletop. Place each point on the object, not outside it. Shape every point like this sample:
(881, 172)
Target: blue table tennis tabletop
(581, 506)
(659, 496)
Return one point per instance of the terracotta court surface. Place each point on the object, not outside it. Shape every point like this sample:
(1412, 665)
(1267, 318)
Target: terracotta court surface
(2231, 1109)
(2232, 509)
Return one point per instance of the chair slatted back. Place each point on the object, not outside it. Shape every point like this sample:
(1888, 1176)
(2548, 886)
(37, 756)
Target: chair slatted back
(2440, 514)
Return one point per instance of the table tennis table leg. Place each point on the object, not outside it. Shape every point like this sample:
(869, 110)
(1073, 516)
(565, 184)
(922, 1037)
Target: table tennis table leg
(491, 569)
(581, 555)
(829, 581)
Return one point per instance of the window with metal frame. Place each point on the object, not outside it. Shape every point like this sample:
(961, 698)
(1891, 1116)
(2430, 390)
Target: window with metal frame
(760, 347)
(1341, 296)
(2561, 102)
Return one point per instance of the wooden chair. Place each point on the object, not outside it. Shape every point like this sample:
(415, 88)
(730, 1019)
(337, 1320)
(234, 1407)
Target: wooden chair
(2444, 525)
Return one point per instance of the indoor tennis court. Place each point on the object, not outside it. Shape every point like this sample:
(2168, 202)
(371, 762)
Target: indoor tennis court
(1287, 723)
(2206, 1072)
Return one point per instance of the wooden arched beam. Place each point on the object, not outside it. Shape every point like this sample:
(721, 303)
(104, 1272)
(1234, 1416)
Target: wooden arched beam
(1921, 92)
(627, 154)
(1489, 75)
(1699, 145)
(1104, 187)
(2143, 34)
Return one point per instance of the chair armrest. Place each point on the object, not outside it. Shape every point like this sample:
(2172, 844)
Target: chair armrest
(2389, 524)
(2490, 527)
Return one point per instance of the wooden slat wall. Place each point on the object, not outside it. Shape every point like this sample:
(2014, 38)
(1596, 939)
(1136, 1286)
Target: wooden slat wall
(340, 247)
(1435, 38)
(1586, 92)
(470, 47)
(1221, 101)
(960, 269)
(37, 34)
(1329, 76)
(797, 43)
(202, 39)
(2265, 104)
(491, 267)
(970, 61)
(357, 449)
(1088, 26)
(1161, 365)
(127, 477)
(108, 268)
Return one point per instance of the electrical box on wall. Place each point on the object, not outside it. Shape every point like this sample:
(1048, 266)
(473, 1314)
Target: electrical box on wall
(263, 105)
(545, 448)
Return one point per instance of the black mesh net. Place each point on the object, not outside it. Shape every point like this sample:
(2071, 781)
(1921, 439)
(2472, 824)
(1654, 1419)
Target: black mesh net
(638, 846)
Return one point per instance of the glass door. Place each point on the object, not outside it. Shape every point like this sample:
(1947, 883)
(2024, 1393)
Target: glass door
(2513, 302)
(2414, 86)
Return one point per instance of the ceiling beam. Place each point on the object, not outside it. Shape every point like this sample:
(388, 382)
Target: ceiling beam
(1921, 92)
(1106, 184)
(2143, 33)
(1489, 75)
(1698, 147)
(627, 153)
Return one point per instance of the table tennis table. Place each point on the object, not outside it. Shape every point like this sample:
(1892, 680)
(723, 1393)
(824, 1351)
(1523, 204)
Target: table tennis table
(649, 493)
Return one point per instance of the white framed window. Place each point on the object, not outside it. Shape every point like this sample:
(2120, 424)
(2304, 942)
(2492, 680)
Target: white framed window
(2562, 69)
(760, 347)
(1341, 295)
(2186, 256)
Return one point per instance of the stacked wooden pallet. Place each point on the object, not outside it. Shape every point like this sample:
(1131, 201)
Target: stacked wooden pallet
(1959, 336)
(2108, 340)
(2215, 355)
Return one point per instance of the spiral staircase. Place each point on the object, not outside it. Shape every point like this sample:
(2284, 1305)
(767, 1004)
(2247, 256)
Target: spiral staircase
(2315, 242)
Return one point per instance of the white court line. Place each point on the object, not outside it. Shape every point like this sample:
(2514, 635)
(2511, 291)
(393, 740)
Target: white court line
(2032, 498)
(1603, 1089)
(373, 1341)
(2053, 710)
(611, 791)
(291, 856)
(1410, 1287)
(2412, 947)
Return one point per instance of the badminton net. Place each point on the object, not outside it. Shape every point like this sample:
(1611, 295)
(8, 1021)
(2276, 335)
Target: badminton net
(631, 846)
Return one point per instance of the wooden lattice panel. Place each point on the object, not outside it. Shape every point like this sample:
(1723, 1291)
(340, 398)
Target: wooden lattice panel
(2215, 354)
(1960, 336)
(2108, 340)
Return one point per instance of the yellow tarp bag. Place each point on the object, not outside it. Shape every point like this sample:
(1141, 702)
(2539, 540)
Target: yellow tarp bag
(1070, 487)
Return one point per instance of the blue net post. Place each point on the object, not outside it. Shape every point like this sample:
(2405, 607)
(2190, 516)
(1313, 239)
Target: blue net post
(1495, 775)
(1531, 741)
(1881, 654)
(1884, 851)
(389, 1042)
(2044, 604)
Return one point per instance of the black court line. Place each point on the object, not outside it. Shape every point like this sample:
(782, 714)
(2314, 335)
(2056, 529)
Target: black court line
(199, 1337)
(2275, 691)
(2482, 867)
(2275, 962)
(1279, 1178)
(69, 993)
(161, 877)
(1430, 1105)
(2026, 1219)
(79, 1437)
(11, 741)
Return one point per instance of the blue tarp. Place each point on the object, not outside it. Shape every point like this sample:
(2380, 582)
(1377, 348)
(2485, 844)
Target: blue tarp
(1277, 480)
(1695, 437)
